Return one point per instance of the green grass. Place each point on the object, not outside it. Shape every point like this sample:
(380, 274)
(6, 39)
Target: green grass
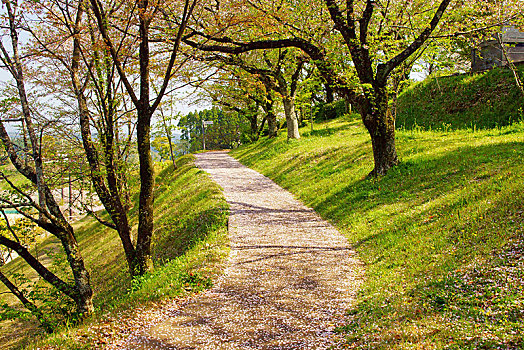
(480, 100)
(189, 246)
(13, 175)
(441, 235)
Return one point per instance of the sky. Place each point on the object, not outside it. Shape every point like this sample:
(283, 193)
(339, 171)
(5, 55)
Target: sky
(184, 101)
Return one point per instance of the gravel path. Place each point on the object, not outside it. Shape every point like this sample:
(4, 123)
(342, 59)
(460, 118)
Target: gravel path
(290, 279)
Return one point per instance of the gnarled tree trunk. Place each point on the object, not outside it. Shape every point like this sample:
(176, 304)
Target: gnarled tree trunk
(147, 182)
(380, 124)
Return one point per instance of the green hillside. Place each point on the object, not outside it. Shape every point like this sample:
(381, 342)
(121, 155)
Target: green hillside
(441, 235)
(480, 100)
(190, 237)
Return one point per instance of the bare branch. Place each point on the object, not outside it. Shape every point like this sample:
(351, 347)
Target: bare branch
(188, 10)
(99, 219)
(384, 69)
(102, 19)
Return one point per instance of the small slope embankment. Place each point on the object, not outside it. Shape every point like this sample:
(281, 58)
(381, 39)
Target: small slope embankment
(441, 235)
(290, 279)
(481, 100)
(190, 245)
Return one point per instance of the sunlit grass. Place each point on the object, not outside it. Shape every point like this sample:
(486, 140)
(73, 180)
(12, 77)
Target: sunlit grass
(481, 100)
(431, 233)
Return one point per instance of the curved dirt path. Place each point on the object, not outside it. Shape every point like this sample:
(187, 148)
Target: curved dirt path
(290, 279)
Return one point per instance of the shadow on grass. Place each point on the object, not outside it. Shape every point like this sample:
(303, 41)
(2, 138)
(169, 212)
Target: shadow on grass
(447, 205)
(420, 223)
(175, 238)
(324, 131)
(269, 148)
(420, 181)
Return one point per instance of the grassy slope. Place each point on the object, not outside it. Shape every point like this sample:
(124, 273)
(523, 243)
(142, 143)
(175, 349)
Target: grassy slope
(12, 174)
(441, 234)
(190, 235)
(481, 100)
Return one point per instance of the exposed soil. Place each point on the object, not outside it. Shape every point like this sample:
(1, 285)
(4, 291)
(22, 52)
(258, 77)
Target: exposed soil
(290, 279)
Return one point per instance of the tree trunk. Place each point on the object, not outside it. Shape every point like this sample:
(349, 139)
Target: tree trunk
(109, 195)
(171, 152)
(147, 182)
(270, 116)
(84, 297)
(291, 118)
(144, 262)
(51, 217)
(253, 124)
(168, 135)
(380, 124)
(330, 98)
(272, 124)
(261, 128)
(145, 110)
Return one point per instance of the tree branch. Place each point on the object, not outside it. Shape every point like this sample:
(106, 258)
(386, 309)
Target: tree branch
(315, 53)
(9, 226)
(99, 219)
(345, 27)
(27, 304)
(101, 20)
(383, 70)
(47, 275)
(188, 10)
(364, 21)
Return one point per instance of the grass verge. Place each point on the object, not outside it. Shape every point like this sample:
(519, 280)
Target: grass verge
(441, 235)
(189, 247)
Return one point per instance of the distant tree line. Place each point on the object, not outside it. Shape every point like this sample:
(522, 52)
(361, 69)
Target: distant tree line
(226, 132)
